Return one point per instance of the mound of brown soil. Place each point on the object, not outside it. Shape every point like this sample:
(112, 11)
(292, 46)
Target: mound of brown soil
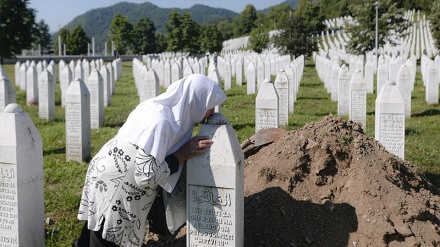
(328, 184)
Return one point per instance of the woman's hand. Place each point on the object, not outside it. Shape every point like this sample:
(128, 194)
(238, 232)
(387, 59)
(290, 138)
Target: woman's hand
(197, 145)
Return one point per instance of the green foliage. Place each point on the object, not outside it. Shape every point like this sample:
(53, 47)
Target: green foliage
(259, 39)
(17, 24)
(390, 17)
(183, 33)
(96, 22)
(121, 33)
(42, 36)
(64, 33)
(225, 28)
(296, 37)
(161, 43)
(212, 40)
(244, 22)
(144, 37)
(277, 15)
(434, 18)
(76, 42)
(313, 15)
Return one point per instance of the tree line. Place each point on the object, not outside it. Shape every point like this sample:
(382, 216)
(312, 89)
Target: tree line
(296, 29)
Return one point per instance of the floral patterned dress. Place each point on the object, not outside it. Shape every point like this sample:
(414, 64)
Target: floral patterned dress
(112, 196)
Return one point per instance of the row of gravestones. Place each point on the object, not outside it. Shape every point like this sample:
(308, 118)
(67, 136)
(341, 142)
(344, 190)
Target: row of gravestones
(238, 65)
(282, 96)
(226, 227)
(418, 38)
(215, 180)
(275, 101)
(393, 98)
(83, 97)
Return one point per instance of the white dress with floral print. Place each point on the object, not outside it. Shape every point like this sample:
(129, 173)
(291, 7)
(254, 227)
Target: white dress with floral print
(111, 194)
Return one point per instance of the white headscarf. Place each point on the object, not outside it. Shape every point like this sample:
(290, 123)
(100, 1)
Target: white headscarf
(161, 125)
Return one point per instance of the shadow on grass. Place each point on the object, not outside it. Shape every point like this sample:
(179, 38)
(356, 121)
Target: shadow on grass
(311, 98)
(411, 131)
(55, 151)
(114, 125)
(282, 214)
(243, 126)
(429, 112)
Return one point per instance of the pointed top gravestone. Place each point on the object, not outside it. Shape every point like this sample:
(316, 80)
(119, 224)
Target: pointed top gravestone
(46, 96)
(251, 79)
(95, 85)
(215, 183)
(404, 84)
(358, 99)
(343, 90)
(266, 107)
(7, 93)
(78, 130)
(389, 126)
(282, 88)
(334, 81)
(21, 180)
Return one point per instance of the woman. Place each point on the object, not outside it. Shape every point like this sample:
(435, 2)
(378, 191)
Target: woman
(147, 153)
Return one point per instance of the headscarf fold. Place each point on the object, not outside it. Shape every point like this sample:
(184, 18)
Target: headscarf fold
(161, 125)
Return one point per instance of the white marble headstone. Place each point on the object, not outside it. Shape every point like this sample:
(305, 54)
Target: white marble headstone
(266, 107)
(251, 80)
(431, 89)
(404, 83)
(343, 90)
(95, 85)
(105, 73)
(358, 99)
(282, 87)
(21, 180)
(215, 183)
(31, 86)
(389, 126)
(66, 77)
(7, 93)
(46, 96)
(78, 130)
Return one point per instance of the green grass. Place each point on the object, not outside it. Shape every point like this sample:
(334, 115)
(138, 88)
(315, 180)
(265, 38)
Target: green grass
(63, 180)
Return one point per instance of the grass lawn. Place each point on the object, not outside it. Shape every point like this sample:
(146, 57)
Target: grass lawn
(63, 180)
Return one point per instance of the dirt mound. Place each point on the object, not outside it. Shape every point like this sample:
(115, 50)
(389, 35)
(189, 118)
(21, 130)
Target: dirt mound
(328, 184)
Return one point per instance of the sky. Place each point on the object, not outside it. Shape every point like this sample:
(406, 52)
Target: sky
(58, 13)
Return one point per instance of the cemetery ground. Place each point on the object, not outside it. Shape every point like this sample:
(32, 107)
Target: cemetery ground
(321, 209)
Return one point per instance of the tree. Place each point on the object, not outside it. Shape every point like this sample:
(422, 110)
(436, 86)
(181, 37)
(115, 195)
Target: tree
(391, 26)
(42, 36)
(17, 24)
(183, 33)
(278, 14)
(64, 33)
(161, 43)
(144, 38)
(174, 31)
(295, 37)
(312, 14)
(212, 40)
(225, 28)
(434, 18)
(259, 39)
(244, 22)
(120, 33)
(77, 41)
